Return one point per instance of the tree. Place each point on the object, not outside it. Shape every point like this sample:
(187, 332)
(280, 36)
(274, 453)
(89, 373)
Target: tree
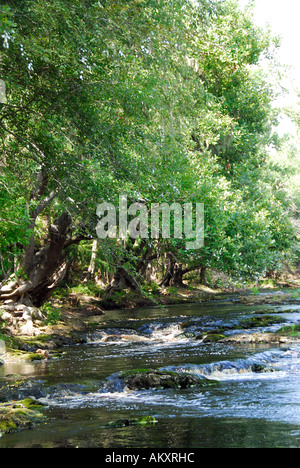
(90, 88)
(160, 100)
(247, 228)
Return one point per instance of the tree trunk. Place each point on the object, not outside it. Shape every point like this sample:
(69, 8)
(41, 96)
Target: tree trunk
(177, 280)
(202, 276)
(123, 280)
(169, 274)
(48, 266)
(174, 273)
(91, 271)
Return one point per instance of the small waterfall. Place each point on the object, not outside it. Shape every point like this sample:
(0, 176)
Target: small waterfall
(115, 335)
(261, 363)
(166, 333)
(154, 332)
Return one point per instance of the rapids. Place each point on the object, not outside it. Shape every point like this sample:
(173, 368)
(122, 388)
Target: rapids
(257, 403)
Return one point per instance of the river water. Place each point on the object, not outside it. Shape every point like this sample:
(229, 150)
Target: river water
(247, 409)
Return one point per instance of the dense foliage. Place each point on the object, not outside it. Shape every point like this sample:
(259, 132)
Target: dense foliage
(161, 100)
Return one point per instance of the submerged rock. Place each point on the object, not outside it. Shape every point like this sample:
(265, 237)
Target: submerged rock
(21, 389)
(145, 379)
(143, 421)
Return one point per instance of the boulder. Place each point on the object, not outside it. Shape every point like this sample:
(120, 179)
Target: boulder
(27, 329)
(6, 317)
(16, 314)
(213, 338)
(146, 379)
(20, 389)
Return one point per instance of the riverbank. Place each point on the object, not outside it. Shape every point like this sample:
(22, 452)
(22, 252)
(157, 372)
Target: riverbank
(70, 315)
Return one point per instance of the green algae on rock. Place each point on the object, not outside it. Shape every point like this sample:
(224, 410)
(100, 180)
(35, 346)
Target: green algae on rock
(213, 338)
(144, 379)
(260, 321)
(19, 415)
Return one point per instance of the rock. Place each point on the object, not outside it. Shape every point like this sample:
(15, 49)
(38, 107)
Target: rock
(27, 329)
(130, 338)
(9, 307)
(6, 317)
(257, 338)
(18, 390)
(149, 379)
(261, 368)
(18, 415)
(36, 357)
(261, 321)
(67, 390)
(213, 338)
(44, 352)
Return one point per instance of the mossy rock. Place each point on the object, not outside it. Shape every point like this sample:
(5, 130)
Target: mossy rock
(130, 373)
(19, 415)
(31, 403)
(21, 390)
(260, 321)
(261, 369)
(213, 338)
(35, 357)
(145, 379)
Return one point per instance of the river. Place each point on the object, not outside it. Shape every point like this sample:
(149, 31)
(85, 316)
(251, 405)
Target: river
(248, 408)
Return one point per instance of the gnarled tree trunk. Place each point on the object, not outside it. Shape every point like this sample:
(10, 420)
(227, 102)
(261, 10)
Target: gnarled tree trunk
(46, 268)
(174, 273)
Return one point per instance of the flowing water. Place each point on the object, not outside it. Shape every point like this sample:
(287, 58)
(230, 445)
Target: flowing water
(248, 409)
